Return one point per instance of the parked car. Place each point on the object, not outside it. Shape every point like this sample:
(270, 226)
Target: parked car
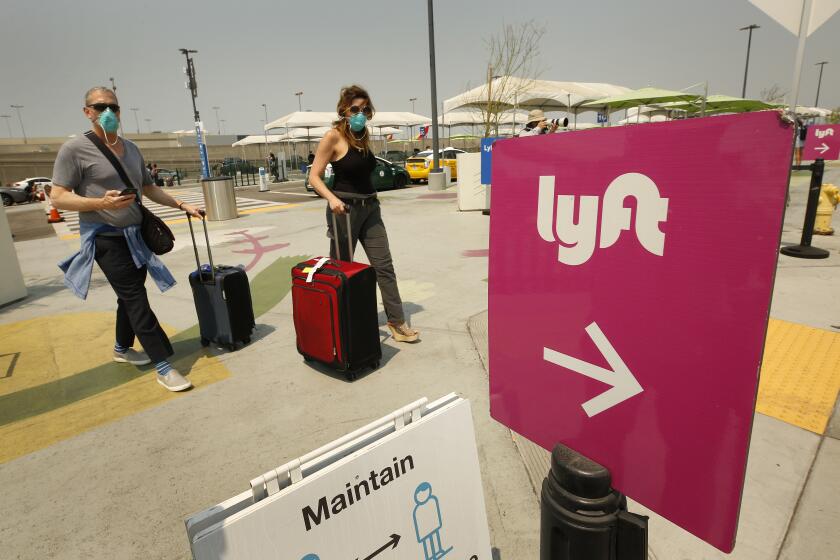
(394, 155)
(17, 195)
(230, 165)
(39, 182)
(25, 190)
(167, 177)
(419, 164)
(384, 175)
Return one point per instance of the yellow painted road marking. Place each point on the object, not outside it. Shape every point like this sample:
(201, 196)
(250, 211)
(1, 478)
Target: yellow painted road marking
(800, 376)
(49, 364)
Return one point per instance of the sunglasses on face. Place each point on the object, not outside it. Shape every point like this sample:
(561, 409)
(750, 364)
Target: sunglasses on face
(99, 107)
(355, 110)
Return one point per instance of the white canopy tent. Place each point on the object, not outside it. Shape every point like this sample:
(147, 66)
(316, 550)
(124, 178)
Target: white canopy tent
(258, 139)
(398, 118)
(303, 119)
(642, 118)
(510, 92)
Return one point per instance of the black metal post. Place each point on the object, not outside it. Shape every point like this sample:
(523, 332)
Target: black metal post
(433, 75)
(804, 249)
(819, 82)
(582, 517)
(747, 68)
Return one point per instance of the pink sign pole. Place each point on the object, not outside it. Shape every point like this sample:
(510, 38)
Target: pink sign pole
(631, 271)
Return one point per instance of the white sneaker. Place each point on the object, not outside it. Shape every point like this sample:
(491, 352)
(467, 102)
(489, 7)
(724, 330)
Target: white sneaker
(133, 357)
(174, 381)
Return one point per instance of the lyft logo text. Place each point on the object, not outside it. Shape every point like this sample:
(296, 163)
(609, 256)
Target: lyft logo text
(824, 133)
(577, 239)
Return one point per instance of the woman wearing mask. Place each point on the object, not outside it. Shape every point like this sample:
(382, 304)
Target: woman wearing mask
(347, 147)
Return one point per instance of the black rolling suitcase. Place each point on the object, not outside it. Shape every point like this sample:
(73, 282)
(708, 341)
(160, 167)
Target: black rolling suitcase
(222, 297)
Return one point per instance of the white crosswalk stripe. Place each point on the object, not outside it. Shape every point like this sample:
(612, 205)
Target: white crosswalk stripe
(71, 219)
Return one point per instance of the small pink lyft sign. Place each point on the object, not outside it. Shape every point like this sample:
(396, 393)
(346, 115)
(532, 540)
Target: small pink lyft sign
(631, 270)
(822, 142)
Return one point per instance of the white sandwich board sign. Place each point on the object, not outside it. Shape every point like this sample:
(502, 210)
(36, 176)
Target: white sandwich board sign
(405, 487)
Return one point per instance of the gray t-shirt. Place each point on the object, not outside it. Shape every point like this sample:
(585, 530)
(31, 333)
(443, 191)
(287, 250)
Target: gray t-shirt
(82, 167)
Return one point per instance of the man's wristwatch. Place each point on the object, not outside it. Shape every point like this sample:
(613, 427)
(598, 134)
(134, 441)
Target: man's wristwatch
(179, 205)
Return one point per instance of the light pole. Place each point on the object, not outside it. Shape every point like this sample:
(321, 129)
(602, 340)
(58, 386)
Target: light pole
(148, 124)
(411, 128)
(433, 76)
(20, 119)
(749, 42)
(223, 121)
(8, 126)
(819, 82)
(114, 89)
(192, 85)
(137, 122)
(218, 125)
(265, 132)
(299, 96)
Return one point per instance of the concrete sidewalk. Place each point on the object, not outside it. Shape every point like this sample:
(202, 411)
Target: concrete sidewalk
(98, 461)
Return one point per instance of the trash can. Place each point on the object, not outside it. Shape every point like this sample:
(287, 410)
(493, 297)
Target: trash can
(219, 198)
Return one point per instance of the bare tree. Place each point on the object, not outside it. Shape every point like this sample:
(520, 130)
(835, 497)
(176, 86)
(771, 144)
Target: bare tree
(512, 67)
(773, 94)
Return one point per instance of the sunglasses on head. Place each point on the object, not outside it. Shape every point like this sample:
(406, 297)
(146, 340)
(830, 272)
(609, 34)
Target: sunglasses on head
(355, 110)
(102, 106)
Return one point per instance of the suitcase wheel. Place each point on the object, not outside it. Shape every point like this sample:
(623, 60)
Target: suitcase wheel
(375, 365)
(205, 342)
(351, 376)
(231, 346)
(307, 359)
(246, 340)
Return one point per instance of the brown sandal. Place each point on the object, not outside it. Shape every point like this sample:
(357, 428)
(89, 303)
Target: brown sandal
(404, 333)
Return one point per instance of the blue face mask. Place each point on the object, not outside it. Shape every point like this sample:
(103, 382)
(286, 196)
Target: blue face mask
(357, 122)
(108, 121)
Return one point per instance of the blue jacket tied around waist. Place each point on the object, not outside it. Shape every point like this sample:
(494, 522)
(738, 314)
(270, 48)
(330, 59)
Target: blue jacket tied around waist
(78, 268)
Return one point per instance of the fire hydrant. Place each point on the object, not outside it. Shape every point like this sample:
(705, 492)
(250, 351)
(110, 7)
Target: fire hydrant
(829, 197)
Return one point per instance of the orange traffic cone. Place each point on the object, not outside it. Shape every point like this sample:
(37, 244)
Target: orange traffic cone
(54, 217)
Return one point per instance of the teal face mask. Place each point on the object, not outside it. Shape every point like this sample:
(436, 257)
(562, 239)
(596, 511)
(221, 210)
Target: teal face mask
(357, 122)
(108, 121)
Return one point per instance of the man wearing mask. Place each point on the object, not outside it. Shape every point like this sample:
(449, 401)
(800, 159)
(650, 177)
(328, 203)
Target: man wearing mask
(84, 180)
(537, 124)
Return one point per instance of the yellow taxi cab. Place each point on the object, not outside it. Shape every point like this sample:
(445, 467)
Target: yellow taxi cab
(419, 164)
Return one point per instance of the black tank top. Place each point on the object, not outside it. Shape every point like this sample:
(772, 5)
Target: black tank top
(352, 173)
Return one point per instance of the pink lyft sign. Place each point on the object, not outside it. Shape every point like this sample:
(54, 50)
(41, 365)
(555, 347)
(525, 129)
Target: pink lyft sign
(631, 270)
(822, 142)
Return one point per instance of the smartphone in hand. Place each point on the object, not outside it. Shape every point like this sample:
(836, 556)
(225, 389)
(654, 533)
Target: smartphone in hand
(128, 191)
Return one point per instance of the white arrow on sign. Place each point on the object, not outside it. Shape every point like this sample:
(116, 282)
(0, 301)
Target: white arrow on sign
(624, 384)
(822, 149)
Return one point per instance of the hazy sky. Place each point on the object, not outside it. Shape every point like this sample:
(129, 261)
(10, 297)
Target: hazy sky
(254, 52)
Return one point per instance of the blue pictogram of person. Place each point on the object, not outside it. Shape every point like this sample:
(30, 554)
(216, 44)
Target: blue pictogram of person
(310, 557)
(428, 522)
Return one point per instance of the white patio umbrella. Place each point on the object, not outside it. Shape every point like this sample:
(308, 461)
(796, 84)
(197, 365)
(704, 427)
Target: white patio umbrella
(407, 119)
(519, 93)
(643, 119)
(383, 132)
(258, 139)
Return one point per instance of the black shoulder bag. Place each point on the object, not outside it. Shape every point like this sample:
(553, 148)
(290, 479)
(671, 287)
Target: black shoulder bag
(157, 235)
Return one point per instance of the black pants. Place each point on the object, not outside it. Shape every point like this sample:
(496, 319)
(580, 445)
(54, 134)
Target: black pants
(367, 227)
(134, 314)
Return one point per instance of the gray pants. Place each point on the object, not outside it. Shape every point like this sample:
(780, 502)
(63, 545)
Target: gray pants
(366, 226)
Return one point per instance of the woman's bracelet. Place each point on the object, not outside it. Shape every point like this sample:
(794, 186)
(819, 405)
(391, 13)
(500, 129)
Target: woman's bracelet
(179, 205)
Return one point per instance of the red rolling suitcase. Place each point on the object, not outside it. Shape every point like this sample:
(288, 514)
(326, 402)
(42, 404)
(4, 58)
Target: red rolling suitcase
(334, 310)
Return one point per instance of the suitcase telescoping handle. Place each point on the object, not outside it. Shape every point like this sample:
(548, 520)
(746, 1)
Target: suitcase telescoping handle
(195, 247)
(335, 235)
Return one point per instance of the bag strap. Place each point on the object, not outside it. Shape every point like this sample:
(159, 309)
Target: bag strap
(110, 156)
